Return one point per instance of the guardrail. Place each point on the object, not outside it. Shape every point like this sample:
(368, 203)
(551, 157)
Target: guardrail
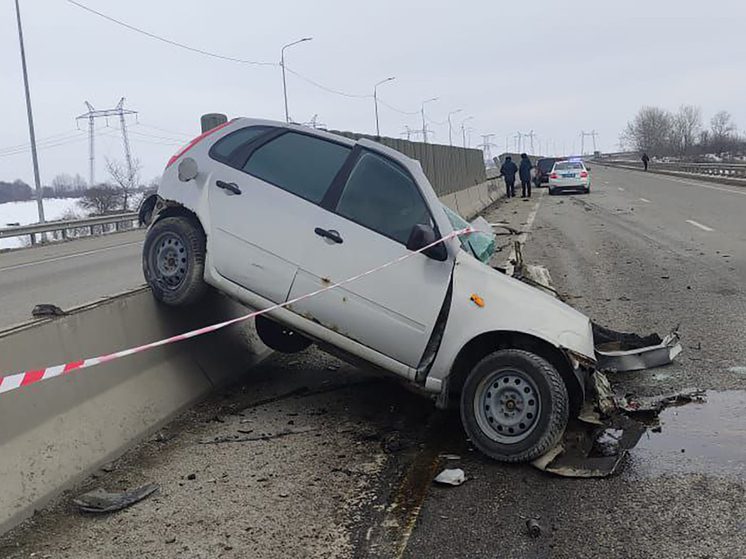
(120, 221)
(725, 170)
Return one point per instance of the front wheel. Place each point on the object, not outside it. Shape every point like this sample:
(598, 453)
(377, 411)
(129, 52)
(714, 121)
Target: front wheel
(173, 261)
(514, 406)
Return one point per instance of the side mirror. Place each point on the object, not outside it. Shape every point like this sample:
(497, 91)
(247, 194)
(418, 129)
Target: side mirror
(423, 235)
(188, 169)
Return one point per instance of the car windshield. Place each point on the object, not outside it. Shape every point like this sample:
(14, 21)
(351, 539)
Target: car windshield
(478, 244)
(567, 165)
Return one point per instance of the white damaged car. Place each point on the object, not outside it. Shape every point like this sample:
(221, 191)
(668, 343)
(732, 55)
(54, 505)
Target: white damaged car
(266, 212)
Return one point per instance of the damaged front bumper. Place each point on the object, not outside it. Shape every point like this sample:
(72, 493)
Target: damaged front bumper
(622, 351)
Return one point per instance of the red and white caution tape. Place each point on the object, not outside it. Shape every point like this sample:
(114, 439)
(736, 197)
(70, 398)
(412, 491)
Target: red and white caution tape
(26, 378)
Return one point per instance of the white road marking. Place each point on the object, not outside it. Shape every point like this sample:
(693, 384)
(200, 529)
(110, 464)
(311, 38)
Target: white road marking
(697, 224)
(620, 189)
(645, 200)
(742, 192)
(68, 256)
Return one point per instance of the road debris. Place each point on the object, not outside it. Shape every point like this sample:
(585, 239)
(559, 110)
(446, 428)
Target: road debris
(625, 351)
(451, 476)
(102, 501)
(534, 528)
(43, 310)
(260, 437)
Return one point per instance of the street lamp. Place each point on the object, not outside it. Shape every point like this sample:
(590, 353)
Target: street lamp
(282, 64)
(32, 135)
(450, 128)
(422, 110)
(463, 128)
(375, 101)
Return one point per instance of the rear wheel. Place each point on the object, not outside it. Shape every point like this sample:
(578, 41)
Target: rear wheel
(173, 261)
(552, 191)
(514, 406)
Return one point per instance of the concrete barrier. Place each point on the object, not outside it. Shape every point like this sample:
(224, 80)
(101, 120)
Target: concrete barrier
(58, 431)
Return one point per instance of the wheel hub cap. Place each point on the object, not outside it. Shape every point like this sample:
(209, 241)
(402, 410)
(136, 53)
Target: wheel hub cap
(507, 406)
(170, 259)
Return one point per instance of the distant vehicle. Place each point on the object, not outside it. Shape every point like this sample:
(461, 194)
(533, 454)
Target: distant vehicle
(543, 168)
(572, 175)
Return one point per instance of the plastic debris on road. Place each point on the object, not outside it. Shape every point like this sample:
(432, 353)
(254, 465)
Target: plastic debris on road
(451, 476)
(102, 501)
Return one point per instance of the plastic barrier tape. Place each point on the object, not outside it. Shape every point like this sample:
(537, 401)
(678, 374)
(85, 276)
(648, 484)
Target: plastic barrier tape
(26, 378)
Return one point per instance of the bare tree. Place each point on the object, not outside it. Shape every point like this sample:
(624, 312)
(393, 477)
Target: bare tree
(723, 131)
(124, 180)
(101, 199)
(686, 127)
(650, 131)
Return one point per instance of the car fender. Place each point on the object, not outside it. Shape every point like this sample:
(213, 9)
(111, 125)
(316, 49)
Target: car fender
(487, 301)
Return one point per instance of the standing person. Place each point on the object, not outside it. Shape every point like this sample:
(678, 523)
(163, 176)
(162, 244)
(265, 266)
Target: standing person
(508, 170)
(525, 173)
(645, 160)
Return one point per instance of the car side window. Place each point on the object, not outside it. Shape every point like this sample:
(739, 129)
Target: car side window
(380, 195)
(300, 164)
(228, 146)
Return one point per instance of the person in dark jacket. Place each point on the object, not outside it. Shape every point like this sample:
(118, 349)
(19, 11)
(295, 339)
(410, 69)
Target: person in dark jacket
(645, 160)
(525, 173)
(508, 171)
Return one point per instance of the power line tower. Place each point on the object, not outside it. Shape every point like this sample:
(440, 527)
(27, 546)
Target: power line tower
(531, 137)
(486, 146)
(583, 134)
(91, 116)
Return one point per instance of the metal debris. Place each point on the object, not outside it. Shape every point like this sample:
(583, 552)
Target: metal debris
(534, 528)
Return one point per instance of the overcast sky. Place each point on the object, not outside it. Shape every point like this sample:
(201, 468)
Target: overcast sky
(554, 67)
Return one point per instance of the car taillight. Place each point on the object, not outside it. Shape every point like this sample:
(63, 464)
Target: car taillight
(194, 142)
(553, 176)
(583, 174)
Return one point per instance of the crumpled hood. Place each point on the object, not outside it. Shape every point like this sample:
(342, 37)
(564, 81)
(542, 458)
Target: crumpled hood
(510, 304)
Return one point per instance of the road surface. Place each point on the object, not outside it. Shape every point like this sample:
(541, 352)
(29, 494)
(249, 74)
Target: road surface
(68, 274)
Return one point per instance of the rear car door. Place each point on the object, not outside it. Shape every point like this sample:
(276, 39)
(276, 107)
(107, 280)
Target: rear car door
(263, 194)
(371, 211)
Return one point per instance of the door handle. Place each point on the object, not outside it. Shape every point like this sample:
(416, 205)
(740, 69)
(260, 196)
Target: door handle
(229, 186)
(331, 234)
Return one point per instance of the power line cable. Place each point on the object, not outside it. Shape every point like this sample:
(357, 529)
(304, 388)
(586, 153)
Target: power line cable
(400, 111)
(169, 41)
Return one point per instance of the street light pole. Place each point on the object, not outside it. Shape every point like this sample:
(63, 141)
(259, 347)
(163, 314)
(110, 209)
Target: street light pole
(375, 101)
(282, 64)
(450, 127)
(424, 126)
(34, 157)
(463, 128)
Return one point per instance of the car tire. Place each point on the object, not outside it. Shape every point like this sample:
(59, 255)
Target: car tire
(552, 191)
(280, 338)
(529, 426)
(173, 261)
(588, 189)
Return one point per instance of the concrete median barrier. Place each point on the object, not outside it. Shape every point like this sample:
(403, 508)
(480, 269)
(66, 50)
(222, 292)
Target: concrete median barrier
(57, 431)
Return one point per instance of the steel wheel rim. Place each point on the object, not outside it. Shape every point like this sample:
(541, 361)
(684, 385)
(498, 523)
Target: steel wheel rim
(507, 406)
(169, 261)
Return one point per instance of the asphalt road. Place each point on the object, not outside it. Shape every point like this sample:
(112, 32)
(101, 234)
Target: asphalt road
(641, 252)
(68, 274)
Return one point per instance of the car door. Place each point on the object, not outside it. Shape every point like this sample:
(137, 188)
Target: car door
(263, 194)
(373, 207)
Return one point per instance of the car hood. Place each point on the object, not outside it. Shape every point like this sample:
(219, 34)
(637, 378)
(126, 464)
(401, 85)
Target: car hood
(511, 305)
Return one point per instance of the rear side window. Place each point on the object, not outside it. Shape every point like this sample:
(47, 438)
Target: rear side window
(227, 147)
(568, 165)
(300, 164)
(381, 196)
